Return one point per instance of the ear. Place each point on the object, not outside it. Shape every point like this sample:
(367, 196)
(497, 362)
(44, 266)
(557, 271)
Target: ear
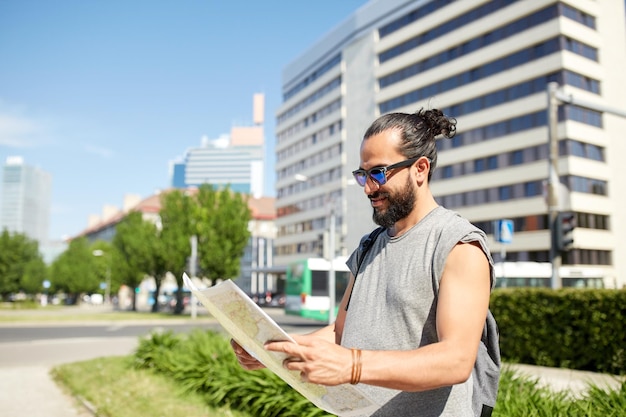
(422, 166)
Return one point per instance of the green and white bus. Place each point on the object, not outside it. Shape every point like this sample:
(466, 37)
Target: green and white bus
(307, 287)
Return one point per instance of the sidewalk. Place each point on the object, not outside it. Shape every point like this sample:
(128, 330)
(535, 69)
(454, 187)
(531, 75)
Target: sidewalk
(28, 390)
(559, 379)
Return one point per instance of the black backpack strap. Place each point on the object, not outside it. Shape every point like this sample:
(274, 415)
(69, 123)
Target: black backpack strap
(365, 246)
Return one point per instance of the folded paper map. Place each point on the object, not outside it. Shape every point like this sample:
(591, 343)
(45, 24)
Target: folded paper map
(251, 327)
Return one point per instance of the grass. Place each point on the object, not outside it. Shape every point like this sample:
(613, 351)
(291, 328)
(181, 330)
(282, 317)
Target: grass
(113, 388)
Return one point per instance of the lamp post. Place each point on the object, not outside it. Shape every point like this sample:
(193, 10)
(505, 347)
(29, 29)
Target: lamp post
(107, 290)
(330, 253)
(331, 266)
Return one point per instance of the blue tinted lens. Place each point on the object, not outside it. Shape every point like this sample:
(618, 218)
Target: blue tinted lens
(360, 177)
(378, 175)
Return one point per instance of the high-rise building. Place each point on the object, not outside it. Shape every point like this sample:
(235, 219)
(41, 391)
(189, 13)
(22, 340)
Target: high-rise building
(488, 64)
(236, 160)
(26, 199)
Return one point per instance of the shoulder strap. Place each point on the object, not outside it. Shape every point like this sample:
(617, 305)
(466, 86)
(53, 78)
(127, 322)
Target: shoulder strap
(365, 246)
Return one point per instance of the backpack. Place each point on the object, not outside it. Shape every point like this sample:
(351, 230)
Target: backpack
(486, 372)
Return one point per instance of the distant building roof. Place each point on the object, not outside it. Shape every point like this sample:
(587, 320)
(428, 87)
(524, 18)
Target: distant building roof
(261, 209)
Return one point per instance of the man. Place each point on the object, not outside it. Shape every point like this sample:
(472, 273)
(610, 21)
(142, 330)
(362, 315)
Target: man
(409, 327)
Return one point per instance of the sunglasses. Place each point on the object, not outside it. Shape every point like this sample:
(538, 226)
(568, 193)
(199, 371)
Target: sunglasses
(379, 174)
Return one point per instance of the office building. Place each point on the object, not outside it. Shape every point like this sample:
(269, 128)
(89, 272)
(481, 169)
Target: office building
(26, 200)
(488, 64)
(236, 160)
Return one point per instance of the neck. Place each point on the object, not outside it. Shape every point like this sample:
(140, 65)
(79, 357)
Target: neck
(423, 205)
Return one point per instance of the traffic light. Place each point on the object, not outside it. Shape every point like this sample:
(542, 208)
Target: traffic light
(319, 245)
(565, 224)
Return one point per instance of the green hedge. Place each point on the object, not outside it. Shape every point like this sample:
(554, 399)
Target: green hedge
(568, 328)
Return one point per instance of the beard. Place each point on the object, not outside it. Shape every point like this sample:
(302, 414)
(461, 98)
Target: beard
(400, 205)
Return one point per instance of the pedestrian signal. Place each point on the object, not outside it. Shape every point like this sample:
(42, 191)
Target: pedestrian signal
(565, 224)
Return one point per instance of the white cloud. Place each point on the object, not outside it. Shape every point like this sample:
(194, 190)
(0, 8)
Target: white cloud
(99, 150)
(21, 130)
(18, 132)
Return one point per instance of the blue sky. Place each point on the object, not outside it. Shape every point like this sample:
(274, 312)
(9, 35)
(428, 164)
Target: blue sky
(103, 94)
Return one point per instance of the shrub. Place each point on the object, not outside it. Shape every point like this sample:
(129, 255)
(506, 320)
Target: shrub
(203, 362)
(569, 328)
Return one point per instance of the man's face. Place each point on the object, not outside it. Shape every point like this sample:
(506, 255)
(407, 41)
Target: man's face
(395, 199)
(399, 204)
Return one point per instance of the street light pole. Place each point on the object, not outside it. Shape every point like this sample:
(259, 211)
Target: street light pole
(107, 290)
(331, 268)
(553, 181)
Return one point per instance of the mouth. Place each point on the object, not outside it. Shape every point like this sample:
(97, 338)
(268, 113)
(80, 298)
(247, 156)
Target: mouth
(377, 199)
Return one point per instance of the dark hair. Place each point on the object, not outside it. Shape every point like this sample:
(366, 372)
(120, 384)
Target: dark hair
(418, 132)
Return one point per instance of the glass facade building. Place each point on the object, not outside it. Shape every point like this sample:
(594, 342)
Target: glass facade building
(26, 200)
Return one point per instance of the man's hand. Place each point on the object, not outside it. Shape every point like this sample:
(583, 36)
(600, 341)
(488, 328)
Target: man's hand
(319, 361)
(246, 360)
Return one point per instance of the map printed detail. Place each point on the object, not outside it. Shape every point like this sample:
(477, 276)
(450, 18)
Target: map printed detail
(251, 327)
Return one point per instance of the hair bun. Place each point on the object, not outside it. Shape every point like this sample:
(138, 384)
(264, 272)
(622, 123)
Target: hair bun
(437, 123)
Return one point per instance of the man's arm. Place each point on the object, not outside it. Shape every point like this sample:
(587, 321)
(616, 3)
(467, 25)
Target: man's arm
(461, 314)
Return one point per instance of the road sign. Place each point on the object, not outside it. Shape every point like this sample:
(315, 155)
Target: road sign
(504, 231)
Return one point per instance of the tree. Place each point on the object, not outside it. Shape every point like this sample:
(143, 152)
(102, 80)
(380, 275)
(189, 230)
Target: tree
(132, 241)
(21, 265)
(35, 273)
(176, 207)
(73, 272)
(221, 221)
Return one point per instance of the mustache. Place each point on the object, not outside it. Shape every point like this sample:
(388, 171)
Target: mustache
(377, 194)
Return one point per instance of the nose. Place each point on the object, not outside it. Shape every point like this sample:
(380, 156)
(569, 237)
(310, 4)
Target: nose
(370, 186)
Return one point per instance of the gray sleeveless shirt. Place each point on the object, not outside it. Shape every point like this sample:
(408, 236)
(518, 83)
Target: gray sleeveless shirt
(393, 307)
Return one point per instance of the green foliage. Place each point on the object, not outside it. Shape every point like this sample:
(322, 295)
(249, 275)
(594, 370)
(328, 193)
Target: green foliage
(521, 396)
(203, 362)
(73, 271)
(221, 220)
(569, 328)
(176, 230)
(21, 266)
(134, 251)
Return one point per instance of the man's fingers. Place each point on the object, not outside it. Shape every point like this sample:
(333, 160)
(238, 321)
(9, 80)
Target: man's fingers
(289, 348)
(236, 347)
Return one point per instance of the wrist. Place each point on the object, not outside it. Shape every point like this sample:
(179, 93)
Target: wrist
(357, 365)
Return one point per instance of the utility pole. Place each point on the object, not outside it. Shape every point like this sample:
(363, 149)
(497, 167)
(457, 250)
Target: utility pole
(331, 267)
(553, 183)
(193, 240)
(556, 97)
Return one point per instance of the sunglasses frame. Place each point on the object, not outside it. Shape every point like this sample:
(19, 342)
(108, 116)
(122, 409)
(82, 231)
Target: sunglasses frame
(365, 173)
